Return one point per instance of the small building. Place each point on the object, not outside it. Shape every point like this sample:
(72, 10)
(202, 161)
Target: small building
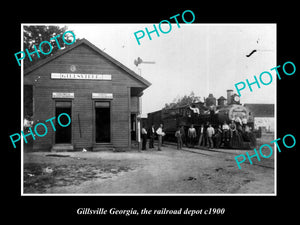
(100, 94)
(263, 115)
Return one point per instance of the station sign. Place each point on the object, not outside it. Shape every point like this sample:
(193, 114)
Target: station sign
(102, 95)
(80, 76)
(62, 95)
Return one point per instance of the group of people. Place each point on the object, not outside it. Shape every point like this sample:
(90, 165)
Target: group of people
(151, 133)
(223, 135)
(230, 135)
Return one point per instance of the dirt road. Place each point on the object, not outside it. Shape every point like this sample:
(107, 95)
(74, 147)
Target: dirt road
(171, 171)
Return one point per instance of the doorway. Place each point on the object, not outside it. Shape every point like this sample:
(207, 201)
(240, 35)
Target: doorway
(102, 122)
(133, 127)
(63, 134)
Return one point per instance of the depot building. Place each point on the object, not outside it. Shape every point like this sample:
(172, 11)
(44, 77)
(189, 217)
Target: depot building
(100, 95)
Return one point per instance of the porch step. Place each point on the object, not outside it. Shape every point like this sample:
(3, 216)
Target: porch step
(103, 147)
(62, 148)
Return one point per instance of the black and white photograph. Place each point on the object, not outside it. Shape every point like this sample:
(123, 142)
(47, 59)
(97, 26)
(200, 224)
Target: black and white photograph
(145, 112)
(172, 109)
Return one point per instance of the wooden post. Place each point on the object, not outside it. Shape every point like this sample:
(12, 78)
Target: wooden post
(79, 125)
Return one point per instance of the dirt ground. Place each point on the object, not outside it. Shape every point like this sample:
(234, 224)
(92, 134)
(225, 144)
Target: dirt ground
(171, 171)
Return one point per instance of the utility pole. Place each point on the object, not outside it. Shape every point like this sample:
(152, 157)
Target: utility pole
(139, 116)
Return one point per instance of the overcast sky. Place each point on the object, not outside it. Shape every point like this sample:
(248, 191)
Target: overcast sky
(203, 58)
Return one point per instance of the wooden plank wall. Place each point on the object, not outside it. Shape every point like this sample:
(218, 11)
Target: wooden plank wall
(86, 61)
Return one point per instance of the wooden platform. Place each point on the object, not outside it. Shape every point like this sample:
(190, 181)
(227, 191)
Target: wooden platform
(62, 148)
(103, 147)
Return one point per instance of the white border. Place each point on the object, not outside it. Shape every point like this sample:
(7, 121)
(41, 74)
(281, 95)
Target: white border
(156, 194)
(22, 115)
(275, 120)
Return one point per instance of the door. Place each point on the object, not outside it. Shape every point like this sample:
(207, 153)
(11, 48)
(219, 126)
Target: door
(133, 127)
(63, 134)
(102, 122)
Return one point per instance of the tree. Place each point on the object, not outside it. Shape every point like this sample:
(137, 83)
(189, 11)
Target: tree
(185, 100)
(34, 35)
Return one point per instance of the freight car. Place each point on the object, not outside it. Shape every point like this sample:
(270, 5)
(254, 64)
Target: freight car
(206, 112)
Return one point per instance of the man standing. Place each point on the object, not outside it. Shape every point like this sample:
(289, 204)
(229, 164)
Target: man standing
(205, 134)
(244, 122)
(160, 134)
(144, 138)
(210, 132)
(218, 136)
(151, 136)
(192, 135)
(201, 137)
(226, 134)
(183, 136)
(179, 140)
(27, 123)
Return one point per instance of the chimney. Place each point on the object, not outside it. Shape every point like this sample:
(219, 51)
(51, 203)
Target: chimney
(229, 93)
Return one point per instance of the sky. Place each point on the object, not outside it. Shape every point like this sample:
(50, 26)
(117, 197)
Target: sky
(203, 58)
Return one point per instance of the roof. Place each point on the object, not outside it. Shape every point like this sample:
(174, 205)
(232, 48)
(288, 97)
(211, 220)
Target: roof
(261, 110)
(100, 52)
